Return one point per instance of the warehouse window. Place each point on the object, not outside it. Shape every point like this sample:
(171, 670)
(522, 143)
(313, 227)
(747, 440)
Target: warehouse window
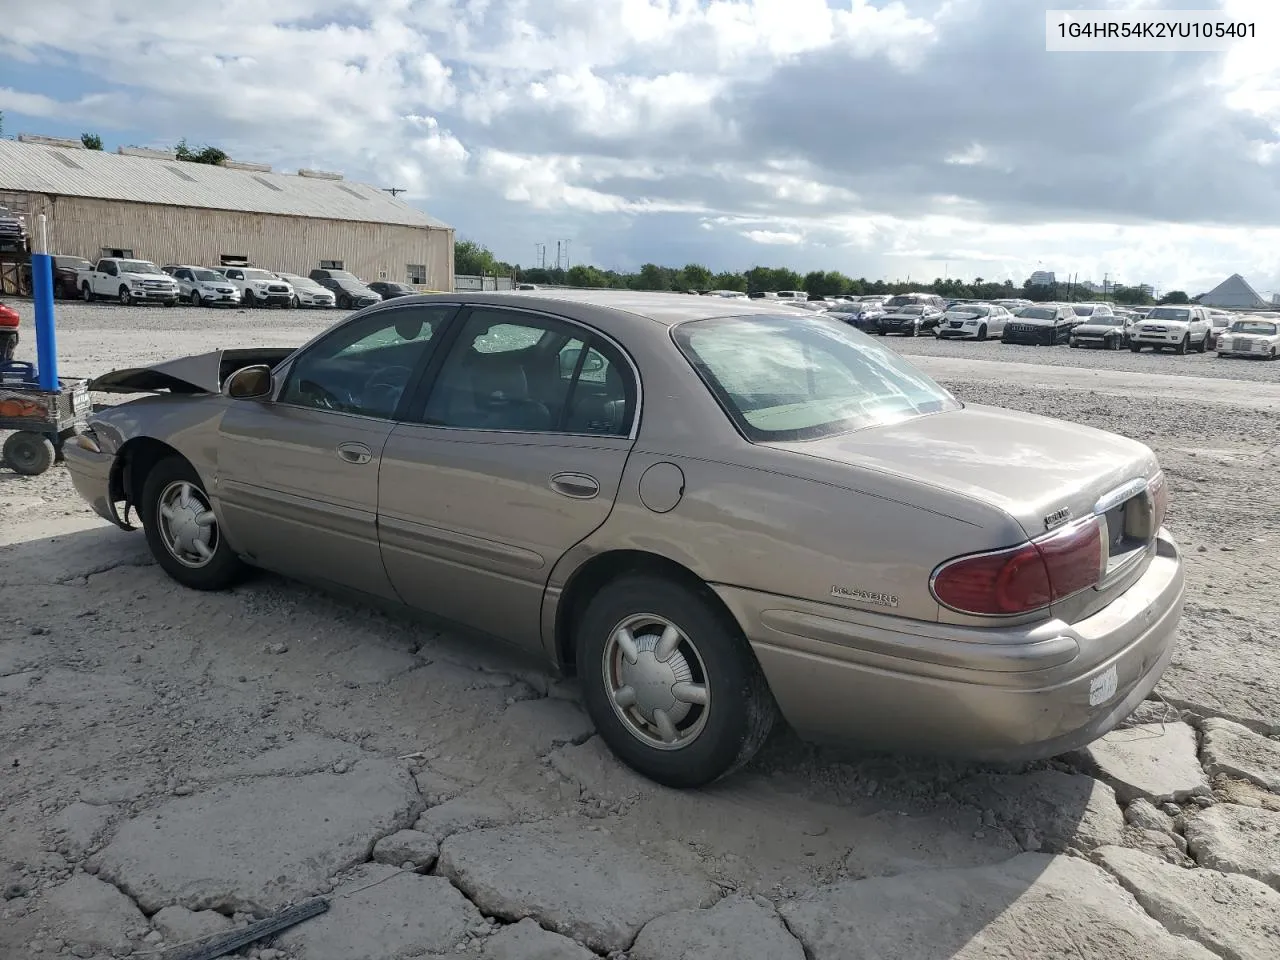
(417, 273)
(119, 253)
(233, 260)
(332, 265)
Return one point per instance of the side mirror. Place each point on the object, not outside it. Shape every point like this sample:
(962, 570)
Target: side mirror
(248, 383)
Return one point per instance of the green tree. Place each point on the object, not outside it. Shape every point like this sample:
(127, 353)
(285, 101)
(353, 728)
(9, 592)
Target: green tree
(91, 141)
(1175, 296)
(729, 281)
(693, 276)
(653, 277)
(213, 156)
(1131, 295)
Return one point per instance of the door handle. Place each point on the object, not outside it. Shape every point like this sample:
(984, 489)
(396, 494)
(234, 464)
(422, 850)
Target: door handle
(354, 452)
(577, 486)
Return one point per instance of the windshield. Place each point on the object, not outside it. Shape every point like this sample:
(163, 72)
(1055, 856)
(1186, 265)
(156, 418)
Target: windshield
(258, 275)
(1254, 326)
(208, 276)
(780, 378)
(1037, 313)
(969, 311)
(342, 275)
(137, 266)
(1083, 310)
(910, 309)
(1221, 321)
(1168, 313)
(72, 262)
(902, 300)
(1106, 320)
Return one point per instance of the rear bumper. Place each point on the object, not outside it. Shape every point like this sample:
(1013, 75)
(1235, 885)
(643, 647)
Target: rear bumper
(1002, 694)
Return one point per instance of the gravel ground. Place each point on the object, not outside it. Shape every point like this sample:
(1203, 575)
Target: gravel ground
(176, 763)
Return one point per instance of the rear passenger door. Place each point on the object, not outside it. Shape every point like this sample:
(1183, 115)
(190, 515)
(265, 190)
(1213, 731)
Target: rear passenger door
(513, 455)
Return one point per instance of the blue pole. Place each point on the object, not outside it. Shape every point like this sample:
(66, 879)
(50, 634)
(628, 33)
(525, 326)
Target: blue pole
(46, 335)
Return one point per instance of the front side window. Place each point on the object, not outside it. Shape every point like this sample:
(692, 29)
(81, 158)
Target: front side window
(536, 374)
(365, 367)
(783, 379)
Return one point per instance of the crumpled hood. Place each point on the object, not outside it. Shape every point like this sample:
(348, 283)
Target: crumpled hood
(1097, 328)
(148, 276)
(202, 373)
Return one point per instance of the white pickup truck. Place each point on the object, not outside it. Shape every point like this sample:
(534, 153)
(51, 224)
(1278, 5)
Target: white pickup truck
(128, 281)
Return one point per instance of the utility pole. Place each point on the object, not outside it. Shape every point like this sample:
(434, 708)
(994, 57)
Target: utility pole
(395, 191)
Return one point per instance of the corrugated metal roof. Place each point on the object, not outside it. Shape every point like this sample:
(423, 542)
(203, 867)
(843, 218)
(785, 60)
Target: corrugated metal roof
(36, 168)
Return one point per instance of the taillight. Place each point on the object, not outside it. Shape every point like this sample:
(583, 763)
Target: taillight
(1023, 578)
(1159, 490)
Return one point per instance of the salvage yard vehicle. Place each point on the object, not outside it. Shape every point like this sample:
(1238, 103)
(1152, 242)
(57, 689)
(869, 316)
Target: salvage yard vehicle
(910, 320)
(389, 291)
(350, 290)
(201, 286)
(258, 288)
(308, 293)
(127, 280)
(1105, 330)
(1179, 328)
(13, 230)
(66, 275)
(1044, 325)
(722, 513)
(973, 321)
(1251, 338)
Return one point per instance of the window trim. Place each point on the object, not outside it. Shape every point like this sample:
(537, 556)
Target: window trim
(458, 322)
(281, 372)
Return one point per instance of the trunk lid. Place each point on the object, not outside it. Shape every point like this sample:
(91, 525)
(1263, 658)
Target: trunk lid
(1029, 466)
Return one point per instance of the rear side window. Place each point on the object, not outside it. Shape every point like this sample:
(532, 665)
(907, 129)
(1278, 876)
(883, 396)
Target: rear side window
(782, 378)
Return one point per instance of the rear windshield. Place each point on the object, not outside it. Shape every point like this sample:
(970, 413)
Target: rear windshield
(903, 299)
(1037, 313)
(1168, 313)
(783, 378)
(1083, 310)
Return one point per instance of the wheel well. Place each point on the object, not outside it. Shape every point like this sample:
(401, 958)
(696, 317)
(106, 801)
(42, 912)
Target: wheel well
(134, 461)
(592, 576)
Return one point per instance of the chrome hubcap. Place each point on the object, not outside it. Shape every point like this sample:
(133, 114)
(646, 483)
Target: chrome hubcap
(656, 682)
(187, 525)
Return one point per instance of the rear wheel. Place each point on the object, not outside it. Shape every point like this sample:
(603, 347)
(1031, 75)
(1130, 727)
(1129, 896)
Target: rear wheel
(86, 293)
(183, 532)
(28, 453)
(1135, 347)
(670, 682)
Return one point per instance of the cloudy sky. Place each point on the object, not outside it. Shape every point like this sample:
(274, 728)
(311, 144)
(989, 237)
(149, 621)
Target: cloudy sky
(915, 138)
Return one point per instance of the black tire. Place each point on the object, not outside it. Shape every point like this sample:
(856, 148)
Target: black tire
(28, 453)
(171, 303)
(195, 298)
(982, 333)
(294, 303)
(880, 333)
(249, 300)
(1204, 344)
(1114, 343)
(126, 298)
(1135, 347)
(344, 302)
(1183, 345)
(86, 293)
(224, 569)
(741, 710)
(1074, 345)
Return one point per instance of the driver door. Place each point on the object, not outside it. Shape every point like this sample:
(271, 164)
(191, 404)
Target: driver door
(298, 474)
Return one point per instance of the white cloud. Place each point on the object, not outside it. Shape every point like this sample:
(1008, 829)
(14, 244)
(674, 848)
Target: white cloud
(864, 136)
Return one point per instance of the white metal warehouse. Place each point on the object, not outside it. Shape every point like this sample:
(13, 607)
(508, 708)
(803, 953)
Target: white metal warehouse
(146, 204)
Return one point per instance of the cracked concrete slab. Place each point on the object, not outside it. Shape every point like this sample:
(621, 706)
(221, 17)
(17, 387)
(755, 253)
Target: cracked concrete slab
(1048, 810)
(382, 913)
(1236, 751)
(178, 924)
(586, 886)
(371, 662)
(70, 548)
(736, 928)
(85, 910)
(597, 773)
(546, 723)
(1236, 917)
(258, 844)
(1032, 907)
(77, 826)
(528, 941)
(299, 756)
(471, 811)
(1234, 839)
(407, 847)
(1157, 761)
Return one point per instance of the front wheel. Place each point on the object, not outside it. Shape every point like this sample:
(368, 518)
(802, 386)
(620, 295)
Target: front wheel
(86, 293)
(195, 299)
(1204, 344)
(249, 300)
(1135, 347)
(670, 681)
(1183, 345)
(982, 332)
(344, 302)
(294, 303)
(126, 297)
(183, 532)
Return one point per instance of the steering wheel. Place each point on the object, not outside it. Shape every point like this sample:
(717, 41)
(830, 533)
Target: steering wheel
(324, 398)
(382, 390)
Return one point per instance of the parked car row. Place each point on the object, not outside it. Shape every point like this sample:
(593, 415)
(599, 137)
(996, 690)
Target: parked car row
(131, 280)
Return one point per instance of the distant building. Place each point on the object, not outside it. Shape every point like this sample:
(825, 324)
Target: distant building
(1146, 289)
(1233, 292)
(1275, 299)
(1091, 286)
(1041, 278)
